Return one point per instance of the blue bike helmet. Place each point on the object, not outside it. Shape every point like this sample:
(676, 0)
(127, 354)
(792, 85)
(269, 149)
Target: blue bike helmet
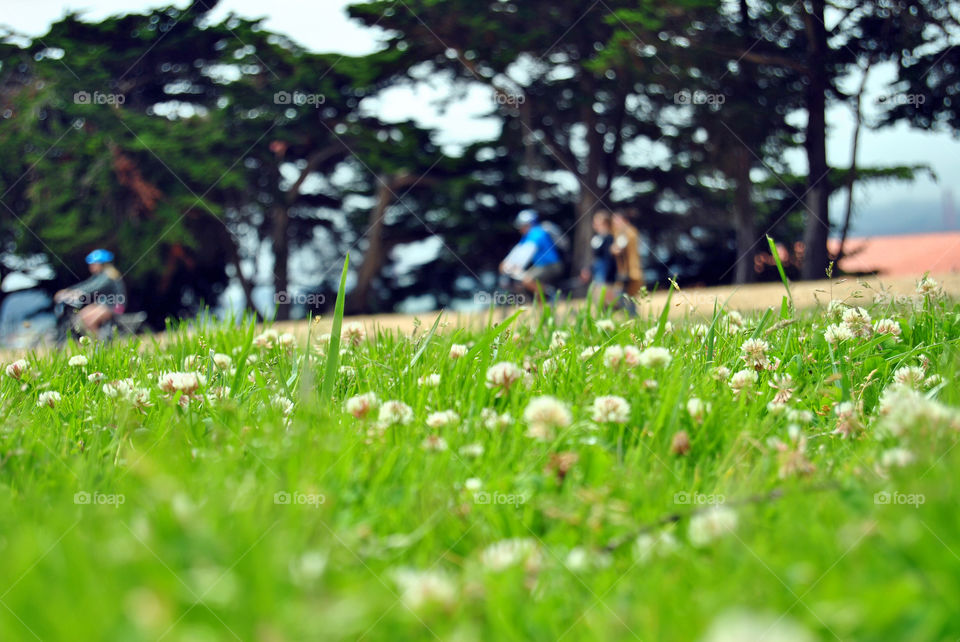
(100, 256)
(526, 217)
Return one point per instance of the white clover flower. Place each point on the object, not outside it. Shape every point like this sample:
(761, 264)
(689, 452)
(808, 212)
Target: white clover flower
(783, 384)
(49, 398)
(583, 559)
(395, 413)
(190, 362)
(903, 409)
(611, 409)
(442, 418)
(493, 421)
(836, 333)
(721, 373)
(912, 376)
(754, 352)
(419, 589)
(458, 350)
(429, 381)
(796, 415)
(96, 377)
(887, 326)
(858, 321)
(933, 380)
(360, 405)
(353, 333)
(118, 389)
(929, 287)
(655, 357)
(473, 484)
(559, 339)
(697, 409)
(700, 330)
(835, 307)
(632, 356)
(77, 361)
(185, 382)
(612, 357)
(16, 369)
(897, 457)
(646, 546)
(472, 450)
(589, 352)
(348, 372)
(502, 375)
(287, 339)
(734, 320)
(323, 341)
(650, 335)
(264, 340)
(283, 404)
(222, 361)
(506, 553)
(606, 325)
(543, 414)
(548, 366)
(747, 626)
(882, 297)
(743, 380)
(710, 524)
(435, 443)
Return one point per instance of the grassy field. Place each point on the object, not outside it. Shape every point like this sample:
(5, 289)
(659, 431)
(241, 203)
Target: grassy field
(781, 475)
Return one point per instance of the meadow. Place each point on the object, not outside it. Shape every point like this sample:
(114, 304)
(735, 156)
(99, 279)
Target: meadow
(784, 476)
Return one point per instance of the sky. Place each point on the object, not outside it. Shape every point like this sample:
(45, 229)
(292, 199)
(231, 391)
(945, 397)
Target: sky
(322, 26)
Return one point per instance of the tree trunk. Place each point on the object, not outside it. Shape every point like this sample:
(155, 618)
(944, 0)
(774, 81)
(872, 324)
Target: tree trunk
(743, 217)
(817, 227)
(587, 205)
(373, 256)
(852, 173)
(591, 193)
(281, 254)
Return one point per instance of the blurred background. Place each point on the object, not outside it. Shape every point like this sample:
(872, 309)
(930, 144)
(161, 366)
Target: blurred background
(231, 153)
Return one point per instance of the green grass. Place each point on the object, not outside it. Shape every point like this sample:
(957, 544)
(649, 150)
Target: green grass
(169, 521)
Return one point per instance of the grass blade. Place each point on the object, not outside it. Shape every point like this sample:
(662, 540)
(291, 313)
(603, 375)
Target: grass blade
(333, 349)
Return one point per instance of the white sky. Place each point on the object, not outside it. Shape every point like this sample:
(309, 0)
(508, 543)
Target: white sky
(322, 25)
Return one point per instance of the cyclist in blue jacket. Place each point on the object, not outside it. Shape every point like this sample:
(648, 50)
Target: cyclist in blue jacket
(535, 261)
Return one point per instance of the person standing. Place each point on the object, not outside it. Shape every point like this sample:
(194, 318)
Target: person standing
(626, 252)
(602, 273)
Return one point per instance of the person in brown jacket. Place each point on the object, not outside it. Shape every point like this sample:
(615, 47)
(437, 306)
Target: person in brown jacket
(626, 252)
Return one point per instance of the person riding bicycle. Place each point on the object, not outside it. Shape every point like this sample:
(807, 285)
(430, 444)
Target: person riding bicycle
(537, 249)
(100, 297)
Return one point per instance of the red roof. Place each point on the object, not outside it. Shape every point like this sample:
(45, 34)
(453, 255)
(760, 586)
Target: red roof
(908, 255)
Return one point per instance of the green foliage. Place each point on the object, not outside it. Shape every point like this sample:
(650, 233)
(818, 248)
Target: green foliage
(171, 507)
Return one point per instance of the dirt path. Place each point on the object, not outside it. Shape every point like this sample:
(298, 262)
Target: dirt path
(693, 302)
